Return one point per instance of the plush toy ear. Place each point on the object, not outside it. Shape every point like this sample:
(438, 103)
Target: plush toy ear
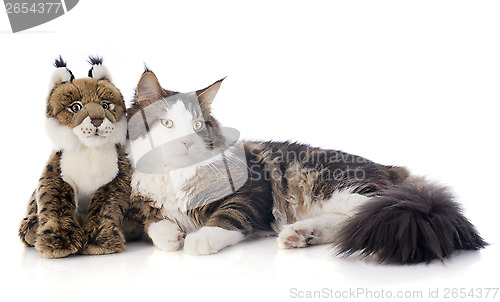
(61, 74)
(207, 95)
(148, 89)
(98, 71)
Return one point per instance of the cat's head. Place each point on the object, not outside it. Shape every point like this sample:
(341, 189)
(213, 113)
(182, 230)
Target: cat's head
(181, 124)
(87, 112)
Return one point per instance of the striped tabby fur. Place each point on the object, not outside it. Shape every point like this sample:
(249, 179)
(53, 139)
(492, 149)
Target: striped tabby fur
(305, 195)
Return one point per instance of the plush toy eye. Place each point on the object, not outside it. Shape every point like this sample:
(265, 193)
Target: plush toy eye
(197, 126)
(75, 107)
(107, 105)
(167, 123)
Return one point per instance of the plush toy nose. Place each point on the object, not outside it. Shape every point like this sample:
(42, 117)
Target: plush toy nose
(97, 122)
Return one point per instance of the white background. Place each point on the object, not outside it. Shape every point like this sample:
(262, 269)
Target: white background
(412, 83)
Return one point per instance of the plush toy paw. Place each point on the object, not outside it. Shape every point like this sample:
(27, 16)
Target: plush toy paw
(27, 230)
(210, 240)
(166, 235)
(58, 240)
(94, 249)
(107, 239)
(132, 229)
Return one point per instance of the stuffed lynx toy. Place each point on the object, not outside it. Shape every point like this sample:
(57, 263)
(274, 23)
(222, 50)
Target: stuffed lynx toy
(81, 204)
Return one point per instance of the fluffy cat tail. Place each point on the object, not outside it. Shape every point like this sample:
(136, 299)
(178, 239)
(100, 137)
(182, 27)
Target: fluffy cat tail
(409, 223)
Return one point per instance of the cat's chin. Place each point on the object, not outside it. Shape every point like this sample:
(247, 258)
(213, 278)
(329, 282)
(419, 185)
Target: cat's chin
(180, 161)
(185, 159)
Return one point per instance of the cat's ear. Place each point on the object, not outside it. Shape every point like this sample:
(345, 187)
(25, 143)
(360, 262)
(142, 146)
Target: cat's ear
(61, 74)
(148, 89)
(207, 95)
(98, 71)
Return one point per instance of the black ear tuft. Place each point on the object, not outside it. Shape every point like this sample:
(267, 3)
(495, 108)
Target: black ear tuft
(59, 62)
(61, 74)
(95, 60)
(146, 68)
(98, 71)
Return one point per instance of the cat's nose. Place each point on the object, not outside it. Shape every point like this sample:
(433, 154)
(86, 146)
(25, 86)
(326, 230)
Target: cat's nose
(187, 144)
(97, 122)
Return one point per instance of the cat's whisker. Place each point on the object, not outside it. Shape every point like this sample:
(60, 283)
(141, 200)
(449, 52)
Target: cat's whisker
(222, 173)
(232, 160)
(215, 170)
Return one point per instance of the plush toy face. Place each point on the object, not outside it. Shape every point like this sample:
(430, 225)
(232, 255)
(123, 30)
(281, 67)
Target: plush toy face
(87, 111)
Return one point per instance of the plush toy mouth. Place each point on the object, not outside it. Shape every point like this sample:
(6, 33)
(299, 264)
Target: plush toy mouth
(98, 135)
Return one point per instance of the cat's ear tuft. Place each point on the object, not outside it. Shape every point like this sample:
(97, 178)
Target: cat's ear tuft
(61, 74)
(148, 89)
(206, 96)
(146, 68)
(98, 70)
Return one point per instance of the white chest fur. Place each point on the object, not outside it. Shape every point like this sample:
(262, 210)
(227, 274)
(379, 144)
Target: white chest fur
(164, 190)
(88, 169)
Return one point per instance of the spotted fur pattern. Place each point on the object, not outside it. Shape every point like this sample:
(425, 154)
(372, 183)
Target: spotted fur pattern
(52, 224)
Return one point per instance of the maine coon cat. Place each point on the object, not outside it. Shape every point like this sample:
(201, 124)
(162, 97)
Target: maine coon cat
(305, 195)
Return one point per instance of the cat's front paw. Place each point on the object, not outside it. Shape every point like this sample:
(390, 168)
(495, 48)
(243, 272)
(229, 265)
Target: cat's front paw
(166, 235)
(210, 240)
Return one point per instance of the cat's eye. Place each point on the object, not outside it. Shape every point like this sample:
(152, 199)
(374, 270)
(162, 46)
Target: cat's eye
(75, 107)
(107, 105)
(167, 123)
(197, 125)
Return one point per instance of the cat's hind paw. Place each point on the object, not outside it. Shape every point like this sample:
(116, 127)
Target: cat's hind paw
(291, 238)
